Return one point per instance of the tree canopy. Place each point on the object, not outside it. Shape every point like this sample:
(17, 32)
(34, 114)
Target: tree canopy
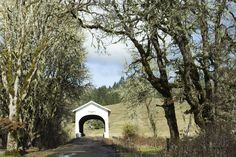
(42, 69)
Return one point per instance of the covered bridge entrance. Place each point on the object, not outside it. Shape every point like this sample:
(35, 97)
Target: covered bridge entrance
(91, 110)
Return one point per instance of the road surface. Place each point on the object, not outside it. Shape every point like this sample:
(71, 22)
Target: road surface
(85, 147)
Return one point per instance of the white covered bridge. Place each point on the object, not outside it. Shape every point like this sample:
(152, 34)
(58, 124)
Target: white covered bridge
(91, 110)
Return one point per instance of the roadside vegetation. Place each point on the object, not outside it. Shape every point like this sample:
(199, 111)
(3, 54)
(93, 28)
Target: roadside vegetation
(216, 141)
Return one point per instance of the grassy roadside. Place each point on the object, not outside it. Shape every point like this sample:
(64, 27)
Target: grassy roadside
(138, 146)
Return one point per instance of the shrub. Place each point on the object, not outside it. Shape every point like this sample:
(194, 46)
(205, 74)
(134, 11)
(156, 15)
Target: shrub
(3, 138)
(217, 140)
(129, 131)
(95, 124)
(14, 153)
(98, 124)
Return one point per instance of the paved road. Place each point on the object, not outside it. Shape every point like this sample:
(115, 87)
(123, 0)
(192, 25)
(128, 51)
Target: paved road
(85, 147)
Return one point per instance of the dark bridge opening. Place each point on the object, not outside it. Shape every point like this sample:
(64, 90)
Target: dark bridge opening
(86, 118)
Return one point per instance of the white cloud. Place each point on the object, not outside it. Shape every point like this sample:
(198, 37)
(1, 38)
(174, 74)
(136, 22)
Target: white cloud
(104, 75)
(106, 66)
(115, 54)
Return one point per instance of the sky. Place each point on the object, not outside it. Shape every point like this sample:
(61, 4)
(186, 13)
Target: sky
(106, 66)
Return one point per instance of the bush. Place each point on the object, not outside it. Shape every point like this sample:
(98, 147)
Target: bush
(98, 125)
(217, 140)
(14, 153)
(51, 135)
(95, 124)
(3, 138)
(129, 131)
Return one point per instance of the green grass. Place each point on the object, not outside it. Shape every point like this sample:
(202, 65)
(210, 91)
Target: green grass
(7, 156)
(122, 114)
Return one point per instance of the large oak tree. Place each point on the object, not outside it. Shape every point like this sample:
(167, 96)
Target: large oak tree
(189, 41)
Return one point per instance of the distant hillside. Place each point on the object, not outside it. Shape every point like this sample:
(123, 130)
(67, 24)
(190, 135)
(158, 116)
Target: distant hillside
(122, 114)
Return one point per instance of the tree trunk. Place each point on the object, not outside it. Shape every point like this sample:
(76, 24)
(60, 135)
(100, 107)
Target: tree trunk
(151, 119)
(169, 109)
(11, 141)
(204, 116)
(199, 120)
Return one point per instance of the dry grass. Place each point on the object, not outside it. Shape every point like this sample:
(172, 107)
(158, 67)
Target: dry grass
(122, 114)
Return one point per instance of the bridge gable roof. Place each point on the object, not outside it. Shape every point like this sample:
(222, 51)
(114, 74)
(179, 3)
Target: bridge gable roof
(91, 103)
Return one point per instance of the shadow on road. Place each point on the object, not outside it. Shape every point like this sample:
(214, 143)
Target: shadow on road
(85, 147)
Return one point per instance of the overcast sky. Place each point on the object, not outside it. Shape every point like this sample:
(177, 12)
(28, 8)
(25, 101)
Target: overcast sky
(105, 69)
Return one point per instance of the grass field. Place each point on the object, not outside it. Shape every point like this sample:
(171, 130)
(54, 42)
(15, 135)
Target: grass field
(122, 114)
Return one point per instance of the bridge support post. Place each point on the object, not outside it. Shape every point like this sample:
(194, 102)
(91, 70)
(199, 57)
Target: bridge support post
(106, 129)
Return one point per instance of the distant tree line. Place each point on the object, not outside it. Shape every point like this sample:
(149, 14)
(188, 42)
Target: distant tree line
(103, 95)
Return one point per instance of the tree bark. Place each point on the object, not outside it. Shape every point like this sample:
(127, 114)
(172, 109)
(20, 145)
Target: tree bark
(11, 141)
(150, 117)
(170, 115)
